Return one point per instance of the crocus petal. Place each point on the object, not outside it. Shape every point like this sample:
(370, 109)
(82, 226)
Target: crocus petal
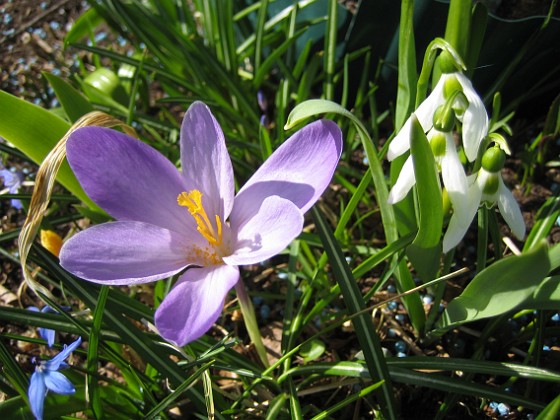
(475, 119)
(299, 170)
(454, 177)
(36, 394)
(259, 237)
(404, 182)
(57, 382)
(424, 113)
(127, 252)
(55, 363)
(510, 211)
(195, 303)
(127, 178)
(205, 160)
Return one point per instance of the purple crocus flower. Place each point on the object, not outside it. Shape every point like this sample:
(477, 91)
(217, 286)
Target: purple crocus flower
(169, 220)
(47, 378)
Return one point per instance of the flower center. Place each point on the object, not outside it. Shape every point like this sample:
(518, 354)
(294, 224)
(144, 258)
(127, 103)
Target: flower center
(193, 202)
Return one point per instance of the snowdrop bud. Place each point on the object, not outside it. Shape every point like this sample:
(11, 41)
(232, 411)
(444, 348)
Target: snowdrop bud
(491, 184)
(493, 159)
(450, 86)
(447, 63)
(438, 144)
(444, 118)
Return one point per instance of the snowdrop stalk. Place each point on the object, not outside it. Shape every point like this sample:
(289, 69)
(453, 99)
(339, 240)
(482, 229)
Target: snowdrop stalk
(191, 223)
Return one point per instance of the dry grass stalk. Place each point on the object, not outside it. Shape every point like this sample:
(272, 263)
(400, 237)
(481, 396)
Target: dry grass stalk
(44, 183)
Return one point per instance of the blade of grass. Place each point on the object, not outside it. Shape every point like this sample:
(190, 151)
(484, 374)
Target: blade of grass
(363, 324)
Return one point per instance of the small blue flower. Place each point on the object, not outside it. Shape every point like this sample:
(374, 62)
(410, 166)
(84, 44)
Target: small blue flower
(12, 181)
(45, 333)
(46, 377)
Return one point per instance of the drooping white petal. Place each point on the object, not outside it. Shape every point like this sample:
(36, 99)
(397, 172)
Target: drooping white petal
(424, 113)
(461, 220)
(404, 182)
(455, 232)
(475, 119)
(510, 211)
(454, 178)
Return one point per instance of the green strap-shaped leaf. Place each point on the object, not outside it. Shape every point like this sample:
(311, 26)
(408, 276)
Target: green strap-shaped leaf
(35, 131)
(404, 279)
(365, 330)
(73, 102)
(424, 252)
(84, 26)
(499, 288)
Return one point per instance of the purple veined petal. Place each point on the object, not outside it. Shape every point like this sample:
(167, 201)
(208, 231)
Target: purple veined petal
(57, 382)
(277, 223)
(128, 178)
(205, 160)
(404, 182)
(54, 364)
(299, 170)
(475, 119)
(454, 178)
(510, 211)
(36, 394)
(126, 252)
(195, 303)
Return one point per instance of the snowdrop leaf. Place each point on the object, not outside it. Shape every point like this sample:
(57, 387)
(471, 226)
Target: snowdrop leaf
(503, 286)
(35, 131)
(425, 250)
(73, 102)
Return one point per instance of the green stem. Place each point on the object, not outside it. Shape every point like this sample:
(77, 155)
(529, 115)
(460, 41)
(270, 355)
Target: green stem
(458, 26)
(482, 239)
(251, 321)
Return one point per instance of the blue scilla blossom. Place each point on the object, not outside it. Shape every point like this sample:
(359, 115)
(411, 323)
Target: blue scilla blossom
(47, 377)
(46, 334)
(12, 182)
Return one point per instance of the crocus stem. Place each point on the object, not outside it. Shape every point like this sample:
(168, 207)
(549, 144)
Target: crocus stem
(251, 321)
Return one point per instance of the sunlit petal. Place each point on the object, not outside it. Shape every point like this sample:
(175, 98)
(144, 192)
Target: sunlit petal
(404, 182)
(475, 119)
(266, 233)
(195, 303)
(205, 160)
(510, 211)
(127, 178)
(127, 253)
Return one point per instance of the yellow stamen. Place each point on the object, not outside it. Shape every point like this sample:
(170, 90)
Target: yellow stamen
(193, 202)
